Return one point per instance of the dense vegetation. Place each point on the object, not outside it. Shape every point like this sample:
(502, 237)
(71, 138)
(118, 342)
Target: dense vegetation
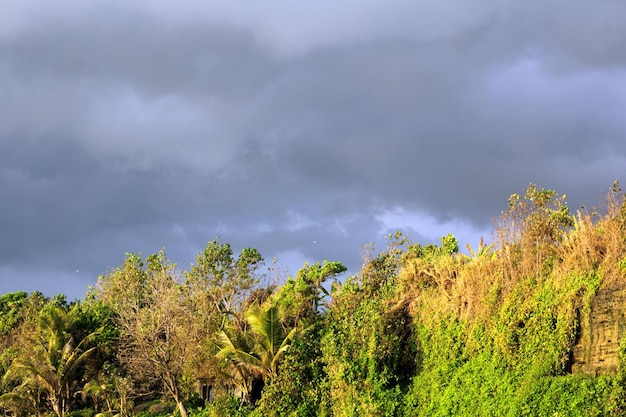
(422, 330)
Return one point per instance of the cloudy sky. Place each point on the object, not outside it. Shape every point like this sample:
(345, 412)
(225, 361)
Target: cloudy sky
(303, 129)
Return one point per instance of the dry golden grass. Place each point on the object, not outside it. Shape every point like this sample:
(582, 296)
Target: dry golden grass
(531, 251)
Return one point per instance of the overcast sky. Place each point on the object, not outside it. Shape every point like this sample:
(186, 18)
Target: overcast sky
(303, 129)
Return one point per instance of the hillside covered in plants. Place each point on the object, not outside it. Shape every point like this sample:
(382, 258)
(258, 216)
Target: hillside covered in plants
(502, 328)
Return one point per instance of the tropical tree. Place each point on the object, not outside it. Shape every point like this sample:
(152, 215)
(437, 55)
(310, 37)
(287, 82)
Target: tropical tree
(23, 400)
(55, 363)
(221, 281)
(271, 338)
(252, 354)
(239, 366)
(302, 297)
(299, 385)
(112, 391)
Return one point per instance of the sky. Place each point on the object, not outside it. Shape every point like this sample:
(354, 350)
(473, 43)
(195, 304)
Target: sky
(306, 130)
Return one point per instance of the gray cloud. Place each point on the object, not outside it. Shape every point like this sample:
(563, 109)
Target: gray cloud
(136, 127)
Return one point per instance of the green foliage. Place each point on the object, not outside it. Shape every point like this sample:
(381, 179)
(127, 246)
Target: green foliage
(510, 357)
(299, 303)
(271, 338)
(301, 297)
(86, 412)
(225, 279)
(110, 391)
(10, 309)
(99, 319)
(17, 394)
(56, 361)
(123, 287)
(422, 330)
(301, 386)
(252, 353)
(222, 407)
(513, 363)
(367, 346)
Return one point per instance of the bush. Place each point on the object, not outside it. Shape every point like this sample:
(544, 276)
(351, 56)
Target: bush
(155, 408)
(223, 407)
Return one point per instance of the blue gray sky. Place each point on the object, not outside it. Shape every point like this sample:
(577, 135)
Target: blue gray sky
(303, 129)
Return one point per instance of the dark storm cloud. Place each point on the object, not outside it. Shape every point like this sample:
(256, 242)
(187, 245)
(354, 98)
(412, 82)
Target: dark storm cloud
(305, 132)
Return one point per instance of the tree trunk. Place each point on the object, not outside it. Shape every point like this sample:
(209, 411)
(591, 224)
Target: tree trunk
(181, 408)
(56, 406)
(173, 388)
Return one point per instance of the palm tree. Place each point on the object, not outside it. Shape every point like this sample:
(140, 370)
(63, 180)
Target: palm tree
(240, 367)
(56, 358)
(270, 337)
(254, 353)
(113, 391)
(100, 390)
(25, 399)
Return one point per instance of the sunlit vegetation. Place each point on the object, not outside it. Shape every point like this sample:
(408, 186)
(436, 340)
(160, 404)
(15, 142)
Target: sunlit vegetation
(421, 330)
